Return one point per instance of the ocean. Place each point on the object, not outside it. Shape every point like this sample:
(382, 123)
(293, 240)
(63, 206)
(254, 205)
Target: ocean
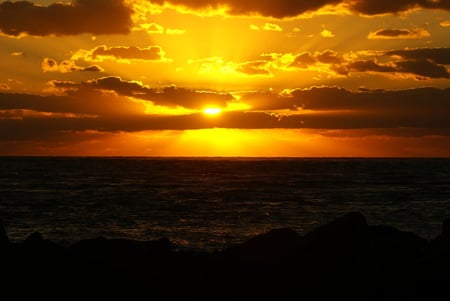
(213, 203)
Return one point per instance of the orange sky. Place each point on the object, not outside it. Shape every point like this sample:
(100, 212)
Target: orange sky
(285, 78)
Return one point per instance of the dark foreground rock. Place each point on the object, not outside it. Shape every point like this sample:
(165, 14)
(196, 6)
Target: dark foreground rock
(344, 258)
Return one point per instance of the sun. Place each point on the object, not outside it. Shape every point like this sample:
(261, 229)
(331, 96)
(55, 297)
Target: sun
(212, 111)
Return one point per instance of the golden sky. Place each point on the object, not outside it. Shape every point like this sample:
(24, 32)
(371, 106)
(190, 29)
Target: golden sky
(225, 78)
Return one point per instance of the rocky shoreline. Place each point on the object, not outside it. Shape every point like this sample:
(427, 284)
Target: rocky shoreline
(346, 257)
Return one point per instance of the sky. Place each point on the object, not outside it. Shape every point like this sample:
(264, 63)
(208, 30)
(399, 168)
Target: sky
(284, 78)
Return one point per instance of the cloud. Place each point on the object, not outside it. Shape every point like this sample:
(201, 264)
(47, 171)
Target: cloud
(4, 87)
(93, 68)
(216, 65)
(267, 27)
(272, 27)
(155, 28)
(420, 64)
(269, 101)
(328, 57)
(370, 66)
(151, 28)
(327, 34)
(417, 102)
(423, 68)
(288, 8)
(445, 23)
(436, 55)
(92, 108)
(267, 8)
(23, 18)
(272, 62)
(258, 67)
(170, 96)
(419, 69)
(416, 68)
(121, 54)
(50, 65)
(17, 53)
(79, 102)
(378, 7)
(306, 60)
(303, 60)
(386, 34)
(116, 84)
(175, 31)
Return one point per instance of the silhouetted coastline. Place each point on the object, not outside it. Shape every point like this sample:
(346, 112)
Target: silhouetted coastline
(346, 257)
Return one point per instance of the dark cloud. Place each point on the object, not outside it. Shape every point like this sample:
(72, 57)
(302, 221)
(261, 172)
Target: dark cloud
(423, 63)
(253, 68)
(152, 53)
(168, 96)
(328, 57)
(369, 66)
(51, 65)
(290, 8)
(116, 84)
(93, 68)
(423, 68)
(77, 17)
(173, 96)
(269, 8)
(84, 101)
(412, 101)
(306, 59)
(303, 60)
(269, 101)
(31, 128)
(424, 109)
(64, 85)
(417, 33)
(392, 32)
(437, 55)
(377, 7)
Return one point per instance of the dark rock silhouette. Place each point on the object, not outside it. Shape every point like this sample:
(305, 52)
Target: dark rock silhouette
(274, 247)
(433, 276)
(345, 257)
(4, 240)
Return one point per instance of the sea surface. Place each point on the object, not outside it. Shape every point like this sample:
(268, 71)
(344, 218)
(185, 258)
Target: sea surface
(212, 203)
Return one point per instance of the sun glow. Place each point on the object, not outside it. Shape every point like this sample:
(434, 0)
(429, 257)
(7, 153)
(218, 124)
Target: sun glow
(212, 111)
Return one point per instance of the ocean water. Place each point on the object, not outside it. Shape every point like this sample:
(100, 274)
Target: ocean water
(212, 203)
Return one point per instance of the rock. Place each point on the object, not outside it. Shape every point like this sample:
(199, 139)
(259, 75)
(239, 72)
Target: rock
(101, 247)
(4, 240)
(345, 257)
(274, 247)
(34, 238)
(393, 247)
(446, 227)
(343, 236)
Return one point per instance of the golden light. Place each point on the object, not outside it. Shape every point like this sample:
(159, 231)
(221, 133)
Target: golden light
(212, 111)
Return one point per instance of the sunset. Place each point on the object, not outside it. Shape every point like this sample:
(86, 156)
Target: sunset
(225, 149)
(309, 78)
